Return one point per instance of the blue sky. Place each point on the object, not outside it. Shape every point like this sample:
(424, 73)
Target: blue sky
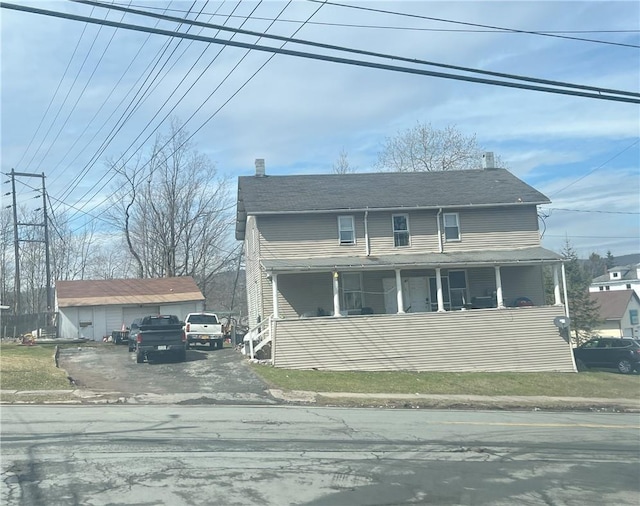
(299, 114)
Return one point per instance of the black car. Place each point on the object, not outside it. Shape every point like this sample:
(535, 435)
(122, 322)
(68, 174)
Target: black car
(609, 352)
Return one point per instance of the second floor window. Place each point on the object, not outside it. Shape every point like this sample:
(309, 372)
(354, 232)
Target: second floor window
(633, 316)
(400, 230)
(346, 230)
(451, 226)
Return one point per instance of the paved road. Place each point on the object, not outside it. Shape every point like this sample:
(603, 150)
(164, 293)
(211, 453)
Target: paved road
(208, 376)
(280, 455)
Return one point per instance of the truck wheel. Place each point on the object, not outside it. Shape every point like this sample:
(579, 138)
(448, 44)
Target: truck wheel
(139, 357)
(220, 344)
(182, 356)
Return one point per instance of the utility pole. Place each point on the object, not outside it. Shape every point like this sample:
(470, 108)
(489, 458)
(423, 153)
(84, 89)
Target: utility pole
(46, 250)
(17, 240)
(16, 245)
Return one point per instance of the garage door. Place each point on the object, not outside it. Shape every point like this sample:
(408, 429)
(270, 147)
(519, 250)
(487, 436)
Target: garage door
(131, 313)
(114, 319)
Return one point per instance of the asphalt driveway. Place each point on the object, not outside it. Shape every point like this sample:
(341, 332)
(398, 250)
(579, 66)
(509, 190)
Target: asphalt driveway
(208, 376)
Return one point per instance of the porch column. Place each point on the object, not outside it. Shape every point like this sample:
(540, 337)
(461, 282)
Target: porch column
(499, 298)
(556, 287)
(336, 294)
(439, 290)
(564, 291)
(399, 296)
(274, 294)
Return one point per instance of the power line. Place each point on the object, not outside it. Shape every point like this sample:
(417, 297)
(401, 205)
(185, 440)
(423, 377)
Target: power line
(362, 52)
(387, 27)
(166, 115)
(224, 104)
(598, 167)
(55, 93)
(129, 111)
(333, 59)
(589, 211)
(499, 28)
(66, 96)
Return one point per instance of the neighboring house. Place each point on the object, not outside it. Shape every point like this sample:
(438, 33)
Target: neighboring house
(619, 311)
(618, 278)
(94, 308)
(392, 271)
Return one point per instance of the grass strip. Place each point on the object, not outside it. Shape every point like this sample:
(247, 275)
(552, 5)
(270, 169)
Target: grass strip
(592, 384)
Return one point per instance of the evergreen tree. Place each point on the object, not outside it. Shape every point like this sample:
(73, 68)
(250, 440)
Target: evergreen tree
(596, 265)
(610, 261)
(582, 309)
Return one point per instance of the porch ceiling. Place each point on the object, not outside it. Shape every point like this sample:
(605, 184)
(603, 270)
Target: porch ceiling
(529, 256)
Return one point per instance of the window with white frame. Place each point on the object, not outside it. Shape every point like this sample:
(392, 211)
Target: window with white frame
(451, 226)
(351, 283)
(400, 229)
(346, 230)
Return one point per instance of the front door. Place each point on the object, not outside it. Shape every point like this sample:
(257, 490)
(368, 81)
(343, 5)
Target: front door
(414, 295)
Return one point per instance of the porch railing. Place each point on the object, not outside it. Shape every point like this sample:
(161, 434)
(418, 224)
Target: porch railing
(258, 337)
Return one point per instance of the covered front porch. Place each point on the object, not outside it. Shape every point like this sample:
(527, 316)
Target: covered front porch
(410, 283)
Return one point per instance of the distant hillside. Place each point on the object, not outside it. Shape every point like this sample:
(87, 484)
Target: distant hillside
(628, 259)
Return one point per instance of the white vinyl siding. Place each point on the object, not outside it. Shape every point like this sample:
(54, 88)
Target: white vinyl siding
(253, 272)
(512, 339)
(315, 235)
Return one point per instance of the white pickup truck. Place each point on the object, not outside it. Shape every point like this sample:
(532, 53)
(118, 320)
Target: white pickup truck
(203, 328)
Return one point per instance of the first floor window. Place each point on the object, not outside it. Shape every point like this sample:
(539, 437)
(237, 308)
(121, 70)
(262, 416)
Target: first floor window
(346, 230)
(633, 316)
(451, 226)
(352, 291)
(458, 289)
(400, 230)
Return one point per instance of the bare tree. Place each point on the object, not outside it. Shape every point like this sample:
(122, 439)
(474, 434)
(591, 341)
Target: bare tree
(32, 263)
(175, 211)
(425, 148)
(342, 165)
(72, 253)
(8, 261)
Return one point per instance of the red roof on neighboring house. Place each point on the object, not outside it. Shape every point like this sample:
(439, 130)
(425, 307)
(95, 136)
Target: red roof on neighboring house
(107, 292)
(613, 303)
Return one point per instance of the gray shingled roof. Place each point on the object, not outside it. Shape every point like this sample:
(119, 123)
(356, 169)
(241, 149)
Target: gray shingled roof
(380, 190)
(628, 273)
(520, 256)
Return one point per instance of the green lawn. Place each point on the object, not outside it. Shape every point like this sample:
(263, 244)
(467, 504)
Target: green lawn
(30, 368)
(590, 384)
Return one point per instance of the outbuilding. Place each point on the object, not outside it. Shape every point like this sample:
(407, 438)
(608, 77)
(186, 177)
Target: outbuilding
(93, 309)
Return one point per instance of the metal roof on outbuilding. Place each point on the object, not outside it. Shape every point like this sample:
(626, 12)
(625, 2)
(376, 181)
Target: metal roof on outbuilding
(127, 291)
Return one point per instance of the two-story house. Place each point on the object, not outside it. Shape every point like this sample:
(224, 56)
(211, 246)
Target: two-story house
(622, 277)
(400, 271)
